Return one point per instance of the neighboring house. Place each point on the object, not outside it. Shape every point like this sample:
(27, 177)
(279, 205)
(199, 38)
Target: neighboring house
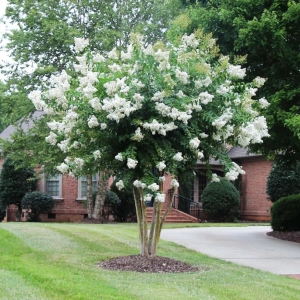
(69, 193)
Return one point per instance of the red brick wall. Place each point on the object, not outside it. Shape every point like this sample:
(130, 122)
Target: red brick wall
(254, 203)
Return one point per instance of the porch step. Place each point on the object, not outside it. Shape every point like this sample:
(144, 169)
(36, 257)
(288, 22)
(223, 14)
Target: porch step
(174, 216)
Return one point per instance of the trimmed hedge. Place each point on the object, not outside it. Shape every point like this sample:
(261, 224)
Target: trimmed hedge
(285, 214)
(37, 203)
(221, 200)
(283, 181)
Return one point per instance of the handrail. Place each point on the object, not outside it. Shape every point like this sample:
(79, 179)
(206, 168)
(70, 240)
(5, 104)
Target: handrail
(186, 205)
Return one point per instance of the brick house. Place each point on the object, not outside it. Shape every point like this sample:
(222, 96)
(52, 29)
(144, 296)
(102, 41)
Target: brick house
(69, 193)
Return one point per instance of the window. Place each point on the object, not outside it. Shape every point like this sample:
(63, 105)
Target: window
(53, 186)
(82, 184)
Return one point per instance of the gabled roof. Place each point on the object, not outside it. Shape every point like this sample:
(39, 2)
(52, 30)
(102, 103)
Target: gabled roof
(26, 124)
(238, 152)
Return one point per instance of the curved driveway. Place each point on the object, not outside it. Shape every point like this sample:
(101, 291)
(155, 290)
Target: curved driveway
(248, 246)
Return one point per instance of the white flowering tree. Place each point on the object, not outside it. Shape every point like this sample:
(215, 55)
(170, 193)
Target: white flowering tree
(151, 110)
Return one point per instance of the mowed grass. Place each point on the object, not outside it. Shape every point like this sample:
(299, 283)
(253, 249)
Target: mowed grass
(59, 261)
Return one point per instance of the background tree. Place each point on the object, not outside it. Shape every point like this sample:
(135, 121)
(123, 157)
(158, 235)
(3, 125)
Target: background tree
(263, 36)
(15, 183)
(40, 42)
(283, 180)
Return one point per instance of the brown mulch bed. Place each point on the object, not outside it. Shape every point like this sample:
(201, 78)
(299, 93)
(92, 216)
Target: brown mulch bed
(292, 236)
(138, 263)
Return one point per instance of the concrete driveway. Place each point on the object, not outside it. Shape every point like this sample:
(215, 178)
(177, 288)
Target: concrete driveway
(247, 246)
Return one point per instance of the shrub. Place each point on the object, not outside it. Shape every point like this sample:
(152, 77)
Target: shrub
(283, 181)
(125, 211)
(111, 205)
(15, 182)
(2, 212)
(285, 214)
(221, 200)
(37, 203)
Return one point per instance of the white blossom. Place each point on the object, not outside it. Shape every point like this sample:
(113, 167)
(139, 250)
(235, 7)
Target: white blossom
(215, 178)
(139, 184)
(161, 178)
(148, 197)
(190, 40)
(203, 135)
(120, 185)
(80, 44)
(174, 183)
(131, 163)
(205, 97)
(158, 96)
(119, 157)
(103, 126)
(180, 94)
(161, 165)
(236, 71)
(178, 156)
(182, 76)
(63, 168)
(98, 58)
(97, 154)
(200, 155)
(203, 82)
(194, 143)
(51, 138)
(138, 136)
(160, 197)
(153, 187)
(263, 102)
(259, 82)
(93, 122)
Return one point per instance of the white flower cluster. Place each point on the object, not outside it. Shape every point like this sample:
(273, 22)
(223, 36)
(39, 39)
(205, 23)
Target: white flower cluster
(148, 197)
(234, 172)
(183, 77)
(161, 165)
(223, 119)
(205, 97)
(93, 122)
(203, 82)
(253, 132)
(119, 157)
(63, 168)
(178, 156)
(153, 187)
(215, 178)
(194, 143)
(139, 184)
(80, 44)
(259, 82)
(263, 102)
(138, 136)
(173, 113)
(51, 138)
(131, 163)
(162, 178)
(36, 99)
(97, 154)
(160, 197)
(120, 185)
(236, 71)
(174, 183)
(190, 40)
(156, 127)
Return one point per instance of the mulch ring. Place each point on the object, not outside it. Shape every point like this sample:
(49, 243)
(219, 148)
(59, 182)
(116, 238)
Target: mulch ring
(292, 236)
(138, 263)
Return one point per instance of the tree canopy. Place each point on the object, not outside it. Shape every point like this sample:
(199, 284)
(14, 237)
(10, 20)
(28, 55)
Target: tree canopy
(43, 32)
(264, 37)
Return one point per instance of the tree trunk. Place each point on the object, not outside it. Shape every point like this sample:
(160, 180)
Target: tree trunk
(89, 195)
(100, 197)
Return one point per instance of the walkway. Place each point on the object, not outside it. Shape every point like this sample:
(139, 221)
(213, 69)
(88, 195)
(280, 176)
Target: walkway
(247, 246)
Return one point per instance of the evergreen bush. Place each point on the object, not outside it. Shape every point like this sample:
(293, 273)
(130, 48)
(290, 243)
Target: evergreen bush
(283, 181)
(285, 214)
(37, 203)
(221, 200)
(111, 204)
(125, 211)
(15, 182)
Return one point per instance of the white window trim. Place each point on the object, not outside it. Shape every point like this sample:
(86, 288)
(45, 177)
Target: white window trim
(44, 182)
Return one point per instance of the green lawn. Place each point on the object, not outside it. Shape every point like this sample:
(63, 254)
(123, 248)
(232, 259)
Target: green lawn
(59, 261)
